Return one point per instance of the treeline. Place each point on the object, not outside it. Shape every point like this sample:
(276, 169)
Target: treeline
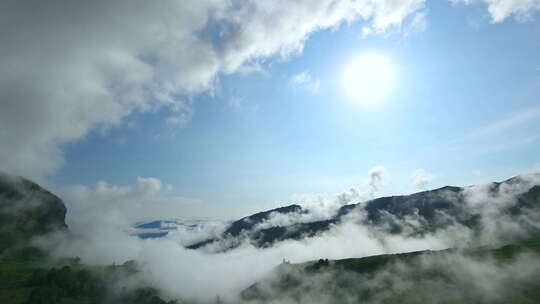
(81, 285)
(74, 284)
(52, 285)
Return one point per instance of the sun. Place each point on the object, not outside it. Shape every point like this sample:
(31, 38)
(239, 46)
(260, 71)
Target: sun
(369, 78)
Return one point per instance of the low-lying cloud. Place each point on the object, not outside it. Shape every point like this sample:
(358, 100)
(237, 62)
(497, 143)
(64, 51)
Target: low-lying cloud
(200, 275)
(428, 278)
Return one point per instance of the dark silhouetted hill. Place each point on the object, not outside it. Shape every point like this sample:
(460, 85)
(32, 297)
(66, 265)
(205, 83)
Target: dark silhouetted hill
(429, 210)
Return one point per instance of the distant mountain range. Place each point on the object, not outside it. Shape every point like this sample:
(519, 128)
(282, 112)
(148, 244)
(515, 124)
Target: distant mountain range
(429, 211)
(26, 275)
(27, 209)
(160, 228)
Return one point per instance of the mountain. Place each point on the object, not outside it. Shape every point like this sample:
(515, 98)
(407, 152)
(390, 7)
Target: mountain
(248, 224)
(414, 214)
(509, 274)
(446, 276)
(27, 210)
(29, 276)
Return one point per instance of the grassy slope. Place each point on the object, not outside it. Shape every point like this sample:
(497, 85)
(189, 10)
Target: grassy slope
(17, 277)
(13, 275)
(369, 267)
(27, 281)
(373, 263)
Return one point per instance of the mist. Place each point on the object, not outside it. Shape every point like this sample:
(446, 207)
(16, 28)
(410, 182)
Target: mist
(202, 275)
(427, 278)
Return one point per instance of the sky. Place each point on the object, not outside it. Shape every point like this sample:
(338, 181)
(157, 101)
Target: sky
(222, 108)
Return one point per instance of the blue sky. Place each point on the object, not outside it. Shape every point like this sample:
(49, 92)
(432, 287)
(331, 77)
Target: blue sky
(260, 139)
(464, 109)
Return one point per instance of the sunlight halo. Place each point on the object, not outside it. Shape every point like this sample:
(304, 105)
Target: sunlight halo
(368, 78)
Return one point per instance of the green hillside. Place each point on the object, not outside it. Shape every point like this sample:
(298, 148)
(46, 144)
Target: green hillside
(29, 276)
(446, 276)
(32, 282)
(373, 263)
(330, 281)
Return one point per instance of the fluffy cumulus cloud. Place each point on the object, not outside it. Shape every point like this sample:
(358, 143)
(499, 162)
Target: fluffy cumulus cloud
(148, 199)
(69, 67)
(101, 237)
(502, 9)
(421, 178)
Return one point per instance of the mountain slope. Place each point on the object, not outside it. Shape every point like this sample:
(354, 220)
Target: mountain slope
(447, 276)
(414, 214)
(27, 210)
(28, 276)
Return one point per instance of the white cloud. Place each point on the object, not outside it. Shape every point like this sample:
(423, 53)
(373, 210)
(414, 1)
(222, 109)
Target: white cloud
(72, 67)
(69, 68)
(148, 199)
(417, 24)
(508, 122)
(323, 206)
(191, 274)
(422, 178)
(305, 81)
(377, 176)
(301, 78)
(194, 274)
(501, 9)
(389, 13)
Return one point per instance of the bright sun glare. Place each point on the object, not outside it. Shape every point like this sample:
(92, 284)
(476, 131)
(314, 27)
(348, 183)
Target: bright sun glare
(368, 78)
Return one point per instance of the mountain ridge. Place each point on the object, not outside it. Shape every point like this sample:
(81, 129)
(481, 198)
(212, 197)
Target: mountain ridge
(428, 206)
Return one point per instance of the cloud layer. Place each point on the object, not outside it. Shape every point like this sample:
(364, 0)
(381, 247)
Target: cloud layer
(71, 68)
(99, 236)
